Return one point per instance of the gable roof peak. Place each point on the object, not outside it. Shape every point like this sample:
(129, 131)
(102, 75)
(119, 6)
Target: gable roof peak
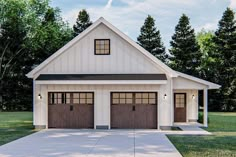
(167, 69)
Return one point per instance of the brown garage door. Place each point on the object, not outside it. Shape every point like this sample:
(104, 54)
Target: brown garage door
(134, 110)
(71, 110)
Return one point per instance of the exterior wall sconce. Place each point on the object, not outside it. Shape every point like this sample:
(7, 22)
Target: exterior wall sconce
(39, 96)
(165, 97)
(193, 96)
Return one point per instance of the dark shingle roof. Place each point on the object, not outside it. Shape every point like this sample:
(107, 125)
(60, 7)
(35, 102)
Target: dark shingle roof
(101, 77)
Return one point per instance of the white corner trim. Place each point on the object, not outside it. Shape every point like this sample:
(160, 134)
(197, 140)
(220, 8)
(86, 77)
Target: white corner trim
(198, 80)
(167, 69)
(103, 82)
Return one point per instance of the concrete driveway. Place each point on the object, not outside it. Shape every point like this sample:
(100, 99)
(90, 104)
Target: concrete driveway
(91, 143)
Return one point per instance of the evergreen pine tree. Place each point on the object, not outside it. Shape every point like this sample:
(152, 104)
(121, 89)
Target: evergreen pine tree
(186, 55)
(225, 40)
(82, 22)
(150, 39)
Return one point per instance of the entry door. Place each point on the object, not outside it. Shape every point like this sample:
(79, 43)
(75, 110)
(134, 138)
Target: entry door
(71, 110)
(134, 110)
(180, 107)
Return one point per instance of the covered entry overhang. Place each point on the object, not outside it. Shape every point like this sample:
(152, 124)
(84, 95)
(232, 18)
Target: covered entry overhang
(186, 82)
(101, 79)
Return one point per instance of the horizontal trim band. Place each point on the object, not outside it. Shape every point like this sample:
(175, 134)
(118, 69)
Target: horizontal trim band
(102, 82)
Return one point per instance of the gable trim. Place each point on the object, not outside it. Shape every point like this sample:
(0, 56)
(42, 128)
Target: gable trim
(165, 68)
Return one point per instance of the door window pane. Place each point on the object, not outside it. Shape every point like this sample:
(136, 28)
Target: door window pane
(138, 95)
(152, 95)
(67, 101)
(122, 101)
(89, 95)
(145, 101)
(59, 101)
(122, 95)
(82, 95)
(129, 95)
(115, 101)
(138, 101)
(75, 95)
(145, 96)
(89, 101)
(82, 101)
(76, 101)
(129, 101)
(152, 101)
(55, 95)
(115, 95)
(180, 100)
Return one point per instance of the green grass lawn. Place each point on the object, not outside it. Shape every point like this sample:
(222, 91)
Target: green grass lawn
(221, 144)
(14, 125)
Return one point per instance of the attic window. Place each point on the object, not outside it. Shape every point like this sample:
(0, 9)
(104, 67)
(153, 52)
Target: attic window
(102, 46)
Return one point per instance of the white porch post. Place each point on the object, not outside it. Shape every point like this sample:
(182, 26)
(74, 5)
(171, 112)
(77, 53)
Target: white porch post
(205, 105)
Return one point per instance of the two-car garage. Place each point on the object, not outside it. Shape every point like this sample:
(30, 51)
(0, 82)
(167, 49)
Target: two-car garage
(128, 110)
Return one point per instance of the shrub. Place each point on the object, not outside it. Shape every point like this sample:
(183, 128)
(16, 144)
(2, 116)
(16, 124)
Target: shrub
(200, 118)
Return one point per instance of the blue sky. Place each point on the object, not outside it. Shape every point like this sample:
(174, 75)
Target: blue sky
(129, 15)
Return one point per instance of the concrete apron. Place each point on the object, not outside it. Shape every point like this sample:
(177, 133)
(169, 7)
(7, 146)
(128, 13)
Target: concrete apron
(91, 143)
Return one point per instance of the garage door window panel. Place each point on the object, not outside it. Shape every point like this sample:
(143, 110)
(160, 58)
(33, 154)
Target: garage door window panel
(145, 98)
(57, 98)
(122, 98)
(82, 98)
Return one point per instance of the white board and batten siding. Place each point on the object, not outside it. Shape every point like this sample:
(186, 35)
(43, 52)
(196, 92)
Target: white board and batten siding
(124, 58)
(101, 99)
(183, 83)
(80, 58)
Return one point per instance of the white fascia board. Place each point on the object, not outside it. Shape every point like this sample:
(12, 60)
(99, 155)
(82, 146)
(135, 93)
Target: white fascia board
(209, 84)
(167, 69)
(103, 82)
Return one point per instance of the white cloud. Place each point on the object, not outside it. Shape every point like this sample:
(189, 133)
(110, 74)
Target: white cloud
(133, 12)
(232, 4)
(208, 26)
(108, 5)
(130, 16)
